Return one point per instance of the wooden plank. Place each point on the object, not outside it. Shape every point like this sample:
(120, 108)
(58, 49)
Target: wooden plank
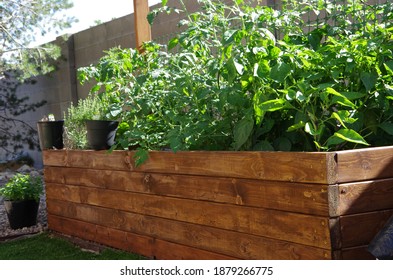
(365, 164)
(117, 160)
(291, 197)
(298, 228)
(238, 245)
(142, 26)
(368, 196)
(142, 245)
(114, 238)
(164, 250)
(360, 229)
(293, 166)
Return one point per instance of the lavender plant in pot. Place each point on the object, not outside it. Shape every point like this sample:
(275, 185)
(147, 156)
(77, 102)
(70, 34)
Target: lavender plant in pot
(21, 199)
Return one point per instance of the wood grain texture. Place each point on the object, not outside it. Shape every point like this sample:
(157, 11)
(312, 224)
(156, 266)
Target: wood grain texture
(145, 246)
(245, 205)
(365, 164)
(362, 197)
(291, 197)
(292, 227)
(225, 242)
(294, 167)
(142, 26)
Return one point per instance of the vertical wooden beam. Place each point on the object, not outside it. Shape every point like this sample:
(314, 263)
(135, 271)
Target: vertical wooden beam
(142, 26)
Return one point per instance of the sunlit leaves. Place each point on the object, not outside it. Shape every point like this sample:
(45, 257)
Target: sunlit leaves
(241, 77)
(280, 71)
(346, 135)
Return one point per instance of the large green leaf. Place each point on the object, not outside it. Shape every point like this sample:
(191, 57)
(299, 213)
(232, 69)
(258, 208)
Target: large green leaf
(346, 135)
(140, 156)
(261, 69)
(296, 126)
(173, 43)
(389, 67)
(242, 131)
(350, 95)
(339, 118)
(369, 80)
(387, 127)
(280, 71)
(339, 98)
(231, 70)
(272, 105)
(229, 35)
(239, 67)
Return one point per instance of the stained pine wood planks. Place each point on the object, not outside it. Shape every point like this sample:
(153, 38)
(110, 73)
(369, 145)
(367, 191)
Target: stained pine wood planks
(365, 164)
(139, 244)
(239, 245)
(366, 196)
(292, 227)
(295, 167)
(288, 205)
(291, 197)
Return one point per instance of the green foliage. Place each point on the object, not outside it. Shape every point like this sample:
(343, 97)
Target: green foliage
(22, 187)
(90, 108)
(20, 22)
(247, 77)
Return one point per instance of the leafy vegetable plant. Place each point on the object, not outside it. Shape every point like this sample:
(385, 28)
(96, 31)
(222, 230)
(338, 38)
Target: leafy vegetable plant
(241, 76)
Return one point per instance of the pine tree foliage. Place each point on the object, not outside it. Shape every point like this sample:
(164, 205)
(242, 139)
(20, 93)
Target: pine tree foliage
(21, 22)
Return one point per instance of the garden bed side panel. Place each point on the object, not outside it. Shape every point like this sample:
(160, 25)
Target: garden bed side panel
(236, 202)
(364, 197)
(234, 216)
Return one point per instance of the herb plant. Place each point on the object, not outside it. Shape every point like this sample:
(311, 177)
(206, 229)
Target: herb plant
(22, 187)
(246, 77)
(90, 108)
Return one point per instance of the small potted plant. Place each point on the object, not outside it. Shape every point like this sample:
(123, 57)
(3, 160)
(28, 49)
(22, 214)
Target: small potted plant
(21, 199)
(87, 125)
(50, 133)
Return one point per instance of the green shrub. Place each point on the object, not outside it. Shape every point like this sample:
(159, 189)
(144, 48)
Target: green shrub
(256, 78)
(90, 108)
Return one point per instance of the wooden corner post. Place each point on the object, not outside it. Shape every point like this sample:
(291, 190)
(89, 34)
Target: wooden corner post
(142, 26)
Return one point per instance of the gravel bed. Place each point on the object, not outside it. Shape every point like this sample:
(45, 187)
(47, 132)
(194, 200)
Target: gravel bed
(6, 232)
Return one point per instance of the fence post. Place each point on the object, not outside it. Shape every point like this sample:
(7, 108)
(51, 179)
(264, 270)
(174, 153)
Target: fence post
(142, 26)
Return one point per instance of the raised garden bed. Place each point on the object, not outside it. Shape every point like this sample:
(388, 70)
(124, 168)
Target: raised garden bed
(223, 205)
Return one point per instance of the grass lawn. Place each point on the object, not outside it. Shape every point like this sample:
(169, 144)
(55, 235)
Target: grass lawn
(47, 247)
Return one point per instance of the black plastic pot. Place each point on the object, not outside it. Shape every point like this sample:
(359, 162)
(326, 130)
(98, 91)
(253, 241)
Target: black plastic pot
(101, 134)
(50, 134)
(21, 213)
